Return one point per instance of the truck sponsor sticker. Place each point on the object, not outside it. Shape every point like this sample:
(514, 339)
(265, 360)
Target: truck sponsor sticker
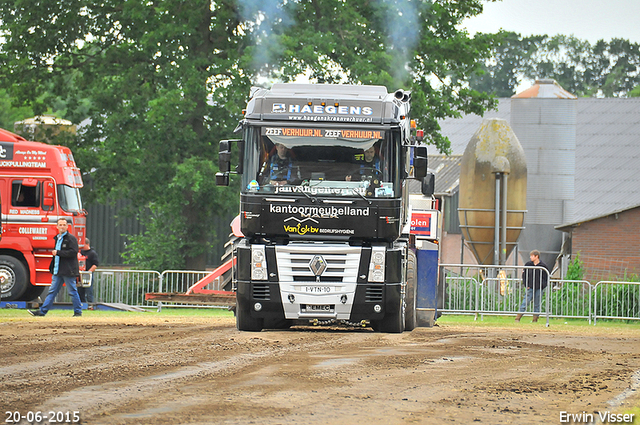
(294, 108)
(23, 164)
(318, 211)
(322, 190)
(21, 158)
(300, 228)
(323, 132)
(32, 230)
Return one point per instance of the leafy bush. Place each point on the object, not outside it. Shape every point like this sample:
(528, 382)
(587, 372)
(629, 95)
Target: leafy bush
(575, 270)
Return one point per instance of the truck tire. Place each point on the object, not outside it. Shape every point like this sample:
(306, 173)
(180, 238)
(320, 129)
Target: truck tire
(13, 278)
(411, 292)
(244, 321)
(33, 292)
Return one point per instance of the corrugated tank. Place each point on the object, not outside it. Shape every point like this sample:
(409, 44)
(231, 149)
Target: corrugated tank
(544, 119)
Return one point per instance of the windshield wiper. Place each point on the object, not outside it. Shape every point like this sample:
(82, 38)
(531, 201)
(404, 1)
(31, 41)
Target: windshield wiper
(355, 190)
(312, 199)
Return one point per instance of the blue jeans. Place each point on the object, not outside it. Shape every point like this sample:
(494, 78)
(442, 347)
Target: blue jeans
(532, 294)
(56, 285)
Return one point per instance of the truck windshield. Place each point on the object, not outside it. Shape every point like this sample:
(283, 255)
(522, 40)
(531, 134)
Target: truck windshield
(69, 198)
(319, 161)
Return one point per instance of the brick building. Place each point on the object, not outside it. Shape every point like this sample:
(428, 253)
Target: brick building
(609, 246)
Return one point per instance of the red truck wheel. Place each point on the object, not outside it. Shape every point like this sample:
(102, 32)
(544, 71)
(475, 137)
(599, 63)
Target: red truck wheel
(13, 278)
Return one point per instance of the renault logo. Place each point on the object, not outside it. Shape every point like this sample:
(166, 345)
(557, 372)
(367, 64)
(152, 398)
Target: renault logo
(317, 265)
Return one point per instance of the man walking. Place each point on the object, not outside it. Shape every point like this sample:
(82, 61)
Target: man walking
(535, 280)
(65, 270)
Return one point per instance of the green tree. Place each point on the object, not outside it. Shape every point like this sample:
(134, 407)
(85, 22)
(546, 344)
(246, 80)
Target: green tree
(162, 81)
(607, 68)
(9, 113)
(511, 59)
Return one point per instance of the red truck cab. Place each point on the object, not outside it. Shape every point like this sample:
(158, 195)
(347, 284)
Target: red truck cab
(39, 183)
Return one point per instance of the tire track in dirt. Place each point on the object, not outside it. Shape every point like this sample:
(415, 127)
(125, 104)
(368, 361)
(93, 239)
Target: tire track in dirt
(167, 373)
(112, 396)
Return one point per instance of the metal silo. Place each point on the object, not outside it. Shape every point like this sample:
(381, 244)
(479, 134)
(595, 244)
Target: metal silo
(544, 119)
(493, 184)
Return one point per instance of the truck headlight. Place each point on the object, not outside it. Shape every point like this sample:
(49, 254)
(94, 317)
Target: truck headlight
(258, 263)
(376, 266)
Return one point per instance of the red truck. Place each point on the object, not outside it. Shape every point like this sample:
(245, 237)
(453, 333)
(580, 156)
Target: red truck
(39, 183)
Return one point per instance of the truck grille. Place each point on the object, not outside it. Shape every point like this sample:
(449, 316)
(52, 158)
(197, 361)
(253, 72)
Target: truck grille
(373, 294)
(342, 262)
(261, 291)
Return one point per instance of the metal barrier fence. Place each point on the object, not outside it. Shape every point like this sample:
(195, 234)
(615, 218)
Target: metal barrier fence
(130, 286)
(121, 286)
(480, 290)
(498, 290)
(616, 300)
(465, 289)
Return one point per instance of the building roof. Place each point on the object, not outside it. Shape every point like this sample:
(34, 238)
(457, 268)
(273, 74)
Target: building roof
(607, 178)
(447, 175)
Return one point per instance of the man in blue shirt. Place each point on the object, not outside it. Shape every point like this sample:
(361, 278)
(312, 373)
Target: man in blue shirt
(281, 168)
(369, 165)
(65, 270)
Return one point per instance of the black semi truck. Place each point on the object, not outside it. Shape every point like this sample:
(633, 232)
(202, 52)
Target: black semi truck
(324, 207)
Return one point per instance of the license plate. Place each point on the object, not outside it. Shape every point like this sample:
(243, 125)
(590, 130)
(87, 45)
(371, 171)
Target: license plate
(317, 289)
(314, 308)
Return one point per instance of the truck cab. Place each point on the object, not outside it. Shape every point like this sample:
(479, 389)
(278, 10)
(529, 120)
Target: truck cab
(323, 207)
(39, 183)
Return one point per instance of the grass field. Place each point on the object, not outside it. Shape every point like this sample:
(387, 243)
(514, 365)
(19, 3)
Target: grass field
(602, 326)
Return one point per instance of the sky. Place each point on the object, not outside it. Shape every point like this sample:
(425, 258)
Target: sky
(590, 20)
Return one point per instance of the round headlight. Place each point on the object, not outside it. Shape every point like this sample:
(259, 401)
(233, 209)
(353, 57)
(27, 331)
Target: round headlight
(258, 256)
(378, 257)
(257, 274)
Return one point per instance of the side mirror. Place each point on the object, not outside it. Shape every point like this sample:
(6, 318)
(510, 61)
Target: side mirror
(224, 156)
(420, 162)
(224, 161)
(48, 198)
(222, 179)
(428, 184)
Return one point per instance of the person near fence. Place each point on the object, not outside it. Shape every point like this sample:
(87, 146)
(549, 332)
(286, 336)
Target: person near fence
(64, 269)
(535, 280)
(91, 262)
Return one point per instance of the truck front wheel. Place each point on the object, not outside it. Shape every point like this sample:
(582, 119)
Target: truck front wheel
(13, 278)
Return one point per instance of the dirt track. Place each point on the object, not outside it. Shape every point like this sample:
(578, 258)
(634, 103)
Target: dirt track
(145, 369)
